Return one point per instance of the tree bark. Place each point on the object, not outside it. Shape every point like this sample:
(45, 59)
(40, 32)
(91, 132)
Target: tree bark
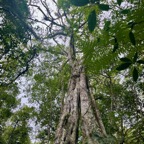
(79, 108)
(67, 131)
(92, 125)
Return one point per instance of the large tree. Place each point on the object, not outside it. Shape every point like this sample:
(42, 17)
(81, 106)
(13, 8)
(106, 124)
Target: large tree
(78, 109)
(82, 47)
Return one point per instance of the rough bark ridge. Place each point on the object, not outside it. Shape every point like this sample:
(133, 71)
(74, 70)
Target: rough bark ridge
(79, 108)
(67, 131)
(91, 120)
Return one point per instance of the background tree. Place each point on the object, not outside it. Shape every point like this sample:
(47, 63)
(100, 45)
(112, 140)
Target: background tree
(15, 52)
(86, 50)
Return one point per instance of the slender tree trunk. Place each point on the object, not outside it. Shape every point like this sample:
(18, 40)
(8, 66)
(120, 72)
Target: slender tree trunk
(79, 105)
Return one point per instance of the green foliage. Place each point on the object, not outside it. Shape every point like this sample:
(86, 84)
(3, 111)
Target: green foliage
(103, 7)
(119, 106)
(13, 12)
(132, 38)
(18, 135)
(119, 2)
(106, 140)
(140, 61)
(123, 66)
(115, 43)
(127, 60)
(64, 4)
(119, 35)
(135, 57)
(13, 124)
(116, 46)
(7, 102)
(92, 21)
(46, 91)
(18, 130)
(135, 74)
(125, 11)
(14, 35)
(18, 8)
(79, 2)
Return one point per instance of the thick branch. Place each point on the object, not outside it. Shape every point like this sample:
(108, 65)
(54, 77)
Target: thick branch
(56, 34)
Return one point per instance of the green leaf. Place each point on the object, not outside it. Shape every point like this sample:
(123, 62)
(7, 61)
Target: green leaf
(115, 47)
(79, 2)
(140, 61)
(135, 57)
(104, 7)
(127, 60)
(119, 2)
(107, 25)
(123, 66)
(92, 21)
(126, 11)
(135, 74)
(132, 38)
(115, 44)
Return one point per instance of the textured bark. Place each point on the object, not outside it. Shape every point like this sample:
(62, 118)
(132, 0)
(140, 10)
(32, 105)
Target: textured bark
(67, 131)
(79, 105)
(91, 120)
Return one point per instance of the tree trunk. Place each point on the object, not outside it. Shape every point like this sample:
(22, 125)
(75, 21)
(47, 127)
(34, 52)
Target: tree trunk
(79, 108)
(67, 131)
(92, 125)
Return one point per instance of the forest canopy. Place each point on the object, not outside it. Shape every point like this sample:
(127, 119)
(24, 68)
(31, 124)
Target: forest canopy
(71, 71)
